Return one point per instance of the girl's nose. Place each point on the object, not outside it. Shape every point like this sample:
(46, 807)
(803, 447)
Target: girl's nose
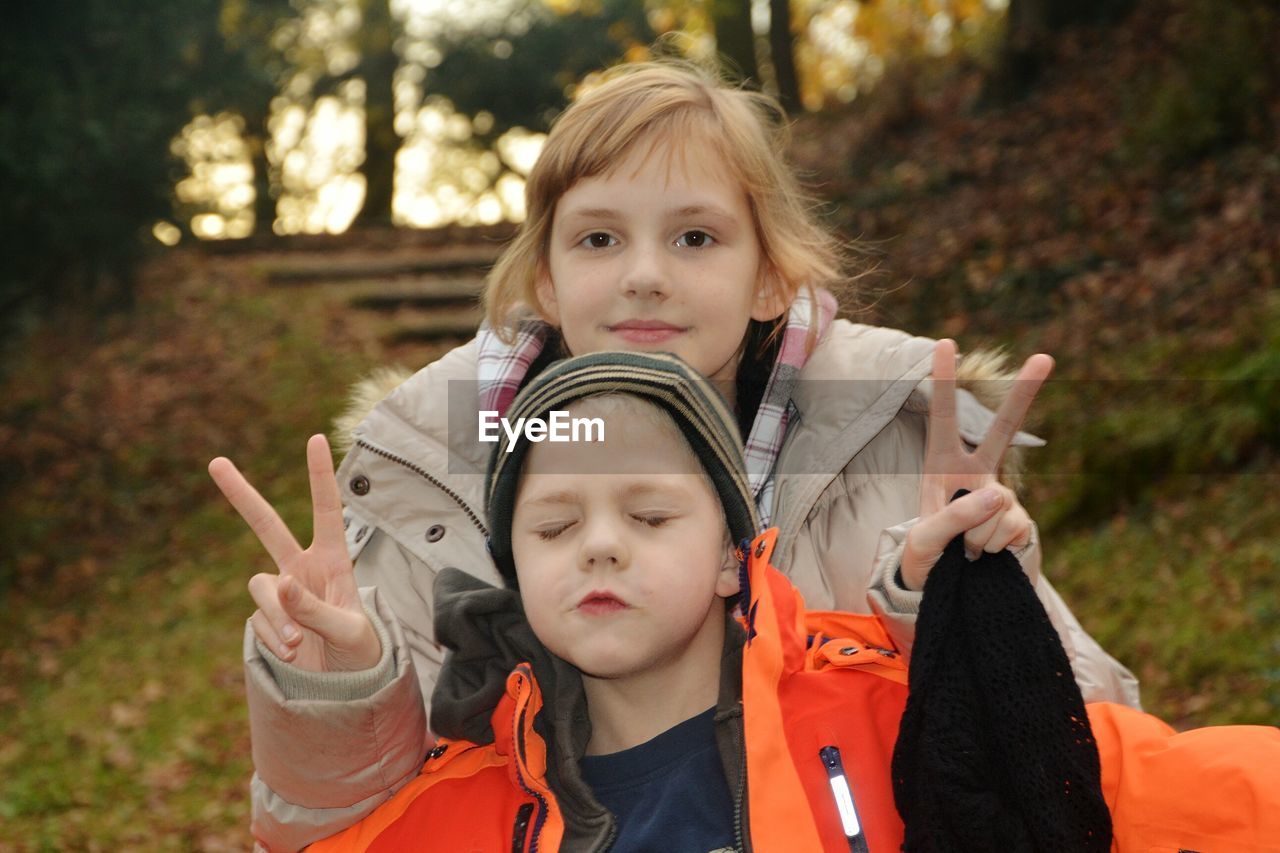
(646, 277)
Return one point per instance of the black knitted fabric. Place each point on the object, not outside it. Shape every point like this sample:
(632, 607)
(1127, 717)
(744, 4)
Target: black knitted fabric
(995, 752)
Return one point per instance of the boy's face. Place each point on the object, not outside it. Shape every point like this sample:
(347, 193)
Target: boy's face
(622, 551)
(660, 254)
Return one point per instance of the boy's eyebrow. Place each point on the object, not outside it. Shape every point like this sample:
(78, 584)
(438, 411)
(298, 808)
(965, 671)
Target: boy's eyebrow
(645, 489)
(563, 496)
(569, 496)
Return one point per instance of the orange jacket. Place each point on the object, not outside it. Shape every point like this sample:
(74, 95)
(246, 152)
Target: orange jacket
(812, 681)
(846, 689)
(1201, 791)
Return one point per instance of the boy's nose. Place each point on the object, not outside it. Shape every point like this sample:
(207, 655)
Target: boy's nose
(602, 549)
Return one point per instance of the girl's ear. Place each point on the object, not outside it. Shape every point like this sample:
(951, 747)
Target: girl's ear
(548, 305)
(727, 583)
(772, 296)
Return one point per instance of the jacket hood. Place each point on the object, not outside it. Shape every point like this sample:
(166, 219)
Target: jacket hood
(487, 635)
(363, 396)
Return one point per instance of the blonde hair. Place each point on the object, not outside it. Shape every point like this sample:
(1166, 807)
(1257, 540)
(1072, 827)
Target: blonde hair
(668, 103)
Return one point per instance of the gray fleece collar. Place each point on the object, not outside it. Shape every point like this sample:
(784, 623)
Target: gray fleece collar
(487, 635)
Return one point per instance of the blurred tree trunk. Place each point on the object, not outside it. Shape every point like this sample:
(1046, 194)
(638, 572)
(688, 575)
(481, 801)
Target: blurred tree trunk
(264, 203)
(378, 62)
(782, 52)
(1031, 28)
(735, 40)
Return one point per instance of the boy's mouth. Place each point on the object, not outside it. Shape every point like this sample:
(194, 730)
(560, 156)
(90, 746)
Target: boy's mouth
(601, 603)
(645, 331)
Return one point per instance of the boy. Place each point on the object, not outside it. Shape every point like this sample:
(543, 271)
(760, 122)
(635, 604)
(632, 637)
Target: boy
(614, 717)
(607, 700)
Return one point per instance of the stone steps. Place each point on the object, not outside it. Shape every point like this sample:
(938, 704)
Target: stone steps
(414, 295)
(425, 292)
(429, 327)
(326, 268)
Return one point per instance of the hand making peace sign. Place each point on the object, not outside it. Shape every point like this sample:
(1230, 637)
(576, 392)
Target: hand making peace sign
(310, 613)
(990, 517)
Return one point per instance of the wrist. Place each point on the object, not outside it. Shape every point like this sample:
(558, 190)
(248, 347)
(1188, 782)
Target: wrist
(362, 654)
(335, 685)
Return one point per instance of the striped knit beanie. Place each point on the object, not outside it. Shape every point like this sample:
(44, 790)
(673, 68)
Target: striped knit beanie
(658, 378)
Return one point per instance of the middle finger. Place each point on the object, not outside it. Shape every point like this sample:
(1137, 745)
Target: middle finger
(1013, 411)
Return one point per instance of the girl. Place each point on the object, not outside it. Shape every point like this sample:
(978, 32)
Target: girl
(661, 217)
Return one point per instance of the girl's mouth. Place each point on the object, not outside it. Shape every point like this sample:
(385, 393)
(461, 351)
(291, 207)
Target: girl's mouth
(646, 331)
(600, 603)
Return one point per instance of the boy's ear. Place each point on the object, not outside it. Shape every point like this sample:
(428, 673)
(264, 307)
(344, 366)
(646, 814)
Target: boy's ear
(548, 305)
(727, 582)
(772, 296)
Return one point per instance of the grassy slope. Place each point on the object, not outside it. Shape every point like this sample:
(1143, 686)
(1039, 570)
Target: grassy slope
(121, 714)
(1031, 227)
(122, 718)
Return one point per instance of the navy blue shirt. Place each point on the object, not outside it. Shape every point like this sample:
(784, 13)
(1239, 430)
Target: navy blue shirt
(669, 794)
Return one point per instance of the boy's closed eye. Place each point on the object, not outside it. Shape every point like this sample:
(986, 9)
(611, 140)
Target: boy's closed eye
(547, 532)
(652, 519)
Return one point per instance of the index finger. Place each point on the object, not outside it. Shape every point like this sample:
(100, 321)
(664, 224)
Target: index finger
(1013, 411)
(326, 503)
(261, 517)
(943, 434)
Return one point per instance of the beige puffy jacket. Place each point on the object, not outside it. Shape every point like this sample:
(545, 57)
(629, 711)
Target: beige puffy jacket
(847, 483)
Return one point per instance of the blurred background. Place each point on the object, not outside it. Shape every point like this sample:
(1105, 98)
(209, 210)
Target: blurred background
(217, 215)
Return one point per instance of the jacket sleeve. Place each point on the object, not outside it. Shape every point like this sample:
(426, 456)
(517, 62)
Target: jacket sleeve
(321, 764)
(1214, 788)
(1101, 677)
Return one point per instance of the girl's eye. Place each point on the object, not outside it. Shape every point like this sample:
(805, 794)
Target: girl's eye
(695, 239)
(599, 240)
(652, 520)
(548, 533)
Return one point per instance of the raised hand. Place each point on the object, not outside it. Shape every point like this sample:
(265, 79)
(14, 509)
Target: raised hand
(310, 613)
(990, 517)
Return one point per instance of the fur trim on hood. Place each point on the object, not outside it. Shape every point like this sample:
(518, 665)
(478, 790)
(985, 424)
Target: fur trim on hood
(363, 396)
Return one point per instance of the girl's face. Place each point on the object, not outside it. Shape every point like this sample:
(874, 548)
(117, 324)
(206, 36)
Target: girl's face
(660, 254)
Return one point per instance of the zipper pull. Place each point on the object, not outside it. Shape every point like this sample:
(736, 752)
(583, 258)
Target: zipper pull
(520, 832)
(852, 826)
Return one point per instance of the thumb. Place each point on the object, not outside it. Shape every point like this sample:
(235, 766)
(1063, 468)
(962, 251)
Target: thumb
(930, 536)
(336, 625)
(958, 517)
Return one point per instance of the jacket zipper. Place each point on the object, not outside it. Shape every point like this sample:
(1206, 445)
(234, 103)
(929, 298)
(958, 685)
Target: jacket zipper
(739, 831)
(849, 820)
(521, 830)
(420, 471)
(541, 813)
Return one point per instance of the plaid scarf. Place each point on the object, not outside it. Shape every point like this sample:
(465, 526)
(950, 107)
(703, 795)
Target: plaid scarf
(501, 368)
